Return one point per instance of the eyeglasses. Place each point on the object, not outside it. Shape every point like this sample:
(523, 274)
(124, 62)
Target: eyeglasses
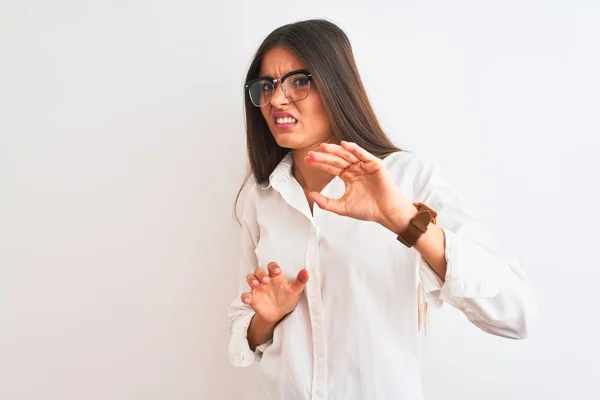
(295, 86)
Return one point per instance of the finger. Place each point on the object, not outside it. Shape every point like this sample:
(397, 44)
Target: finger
(274, 269)
(252, 281)
(358, 151)
(339, 151)
(246, 298)
(300, 281)
(330, 169)
(333, 205)
(327, 158)
(261, 275)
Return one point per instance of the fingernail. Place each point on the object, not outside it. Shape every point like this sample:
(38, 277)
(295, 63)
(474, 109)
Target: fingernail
(255, 282)
(277, 270)
(265, 279)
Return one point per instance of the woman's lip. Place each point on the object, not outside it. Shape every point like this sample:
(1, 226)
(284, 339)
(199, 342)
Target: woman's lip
(285, 126)
(279, 114)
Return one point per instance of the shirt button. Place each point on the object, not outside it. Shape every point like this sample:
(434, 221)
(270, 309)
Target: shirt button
(313, 231)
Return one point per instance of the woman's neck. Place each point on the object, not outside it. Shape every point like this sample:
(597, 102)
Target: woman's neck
(311, 179)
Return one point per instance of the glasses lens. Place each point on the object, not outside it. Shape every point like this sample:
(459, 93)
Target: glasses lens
(260, 92)
(297, 86)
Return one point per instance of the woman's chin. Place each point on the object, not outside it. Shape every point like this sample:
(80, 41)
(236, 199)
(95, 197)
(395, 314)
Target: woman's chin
(288, 141)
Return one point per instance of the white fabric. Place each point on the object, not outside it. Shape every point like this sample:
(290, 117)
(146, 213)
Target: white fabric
(354, 334)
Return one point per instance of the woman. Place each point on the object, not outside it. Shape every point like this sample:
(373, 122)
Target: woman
(340, 241)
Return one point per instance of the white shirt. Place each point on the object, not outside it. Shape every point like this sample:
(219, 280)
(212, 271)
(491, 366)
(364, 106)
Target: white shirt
(354, 333)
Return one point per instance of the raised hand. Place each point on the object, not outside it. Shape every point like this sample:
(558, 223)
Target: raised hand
(371, 193)
(272, 296)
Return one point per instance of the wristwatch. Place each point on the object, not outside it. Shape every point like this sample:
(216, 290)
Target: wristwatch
(417, 225)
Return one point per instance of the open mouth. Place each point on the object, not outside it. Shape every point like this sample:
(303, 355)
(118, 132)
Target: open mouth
(285, 122)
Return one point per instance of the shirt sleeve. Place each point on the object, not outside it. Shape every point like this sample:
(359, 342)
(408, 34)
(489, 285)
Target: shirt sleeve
(491, 289)
(240, 314)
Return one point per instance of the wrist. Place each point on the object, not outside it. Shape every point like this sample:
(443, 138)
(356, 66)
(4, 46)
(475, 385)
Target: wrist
(259, 331)
(398, 219)
(265, 322)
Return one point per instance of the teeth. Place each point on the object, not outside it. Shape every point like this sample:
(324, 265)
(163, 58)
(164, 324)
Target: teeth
(286, 120)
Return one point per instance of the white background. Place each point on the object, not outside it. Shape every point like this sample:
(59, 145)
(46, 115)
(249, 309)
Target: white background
(122, 146)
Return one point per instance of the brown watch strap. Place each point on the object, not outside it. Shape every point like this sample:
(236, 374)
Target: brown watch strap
(417, 225)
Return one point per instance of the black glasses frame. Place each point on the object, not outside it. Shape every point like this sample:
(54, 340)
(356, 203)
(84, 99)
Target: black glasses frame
(274, 82)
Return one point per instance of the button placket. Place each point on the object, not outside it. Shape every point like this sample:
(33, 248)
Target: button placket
(316, 318)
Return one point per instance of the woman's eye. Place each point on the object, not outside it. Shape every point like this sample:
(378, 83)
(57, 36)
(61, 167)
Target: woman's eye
(301, 82)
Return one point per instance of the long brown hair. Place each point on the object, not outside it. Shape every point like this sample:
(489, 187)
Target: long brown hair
(326, 51)
(328, 55)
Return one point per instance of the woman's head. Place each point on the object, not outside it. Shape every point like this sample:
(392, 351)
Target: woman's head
(289, 103)
(328, 100)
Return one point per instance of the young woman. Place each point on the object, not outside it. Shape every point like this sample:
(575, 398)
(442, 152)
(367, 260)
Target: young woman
(347, 238)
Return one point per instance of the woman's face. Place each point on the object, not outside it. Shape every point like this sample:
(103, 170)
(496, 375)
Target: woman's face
(311, 126)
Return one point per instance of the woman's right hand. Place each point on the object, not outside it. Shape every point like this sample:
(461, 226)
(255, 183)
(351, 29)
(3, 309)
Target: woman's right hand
(271, 295)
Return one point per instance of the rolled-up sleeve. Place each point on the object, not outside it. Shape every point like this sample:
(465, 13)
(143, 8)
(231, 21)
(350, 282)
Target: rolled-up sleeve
(491, 289)
(240, 314)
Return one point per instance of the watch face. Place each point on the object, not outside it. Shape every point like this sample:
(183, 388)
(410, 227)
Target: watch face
(423, 218)
(424, 208)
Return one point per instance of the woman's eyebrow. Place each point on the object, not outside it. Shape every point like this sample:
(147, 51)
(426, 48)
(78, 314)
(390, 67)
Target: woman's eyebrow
(269, 77)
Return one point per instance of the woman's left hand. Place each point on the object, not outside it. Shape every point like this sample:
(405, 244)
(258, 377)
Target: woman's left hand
(371, 193)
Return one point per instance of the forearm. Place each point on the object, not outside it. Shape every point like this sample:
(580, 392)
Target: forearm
(260, 331)
(432, 246)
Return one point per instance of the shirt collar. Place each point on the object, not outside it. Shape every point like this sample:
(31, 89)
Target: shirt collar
(282, 173)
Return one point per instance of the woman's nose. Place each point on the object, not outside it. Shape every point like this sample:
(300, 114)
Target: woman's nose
(278, 99)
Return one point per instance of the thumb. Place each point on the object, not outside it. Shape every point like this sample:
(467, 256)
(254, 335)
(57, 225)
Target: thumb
(300, 281)
(326, 203)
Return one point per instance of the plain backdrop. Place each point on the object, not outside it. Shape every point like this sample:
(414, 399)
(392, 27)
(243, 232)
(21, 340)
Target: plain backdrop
(122, 147)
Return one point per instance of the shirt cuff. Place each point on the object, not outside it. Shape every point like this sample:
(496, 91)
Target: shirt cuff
(470, 272)
(240, 354)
